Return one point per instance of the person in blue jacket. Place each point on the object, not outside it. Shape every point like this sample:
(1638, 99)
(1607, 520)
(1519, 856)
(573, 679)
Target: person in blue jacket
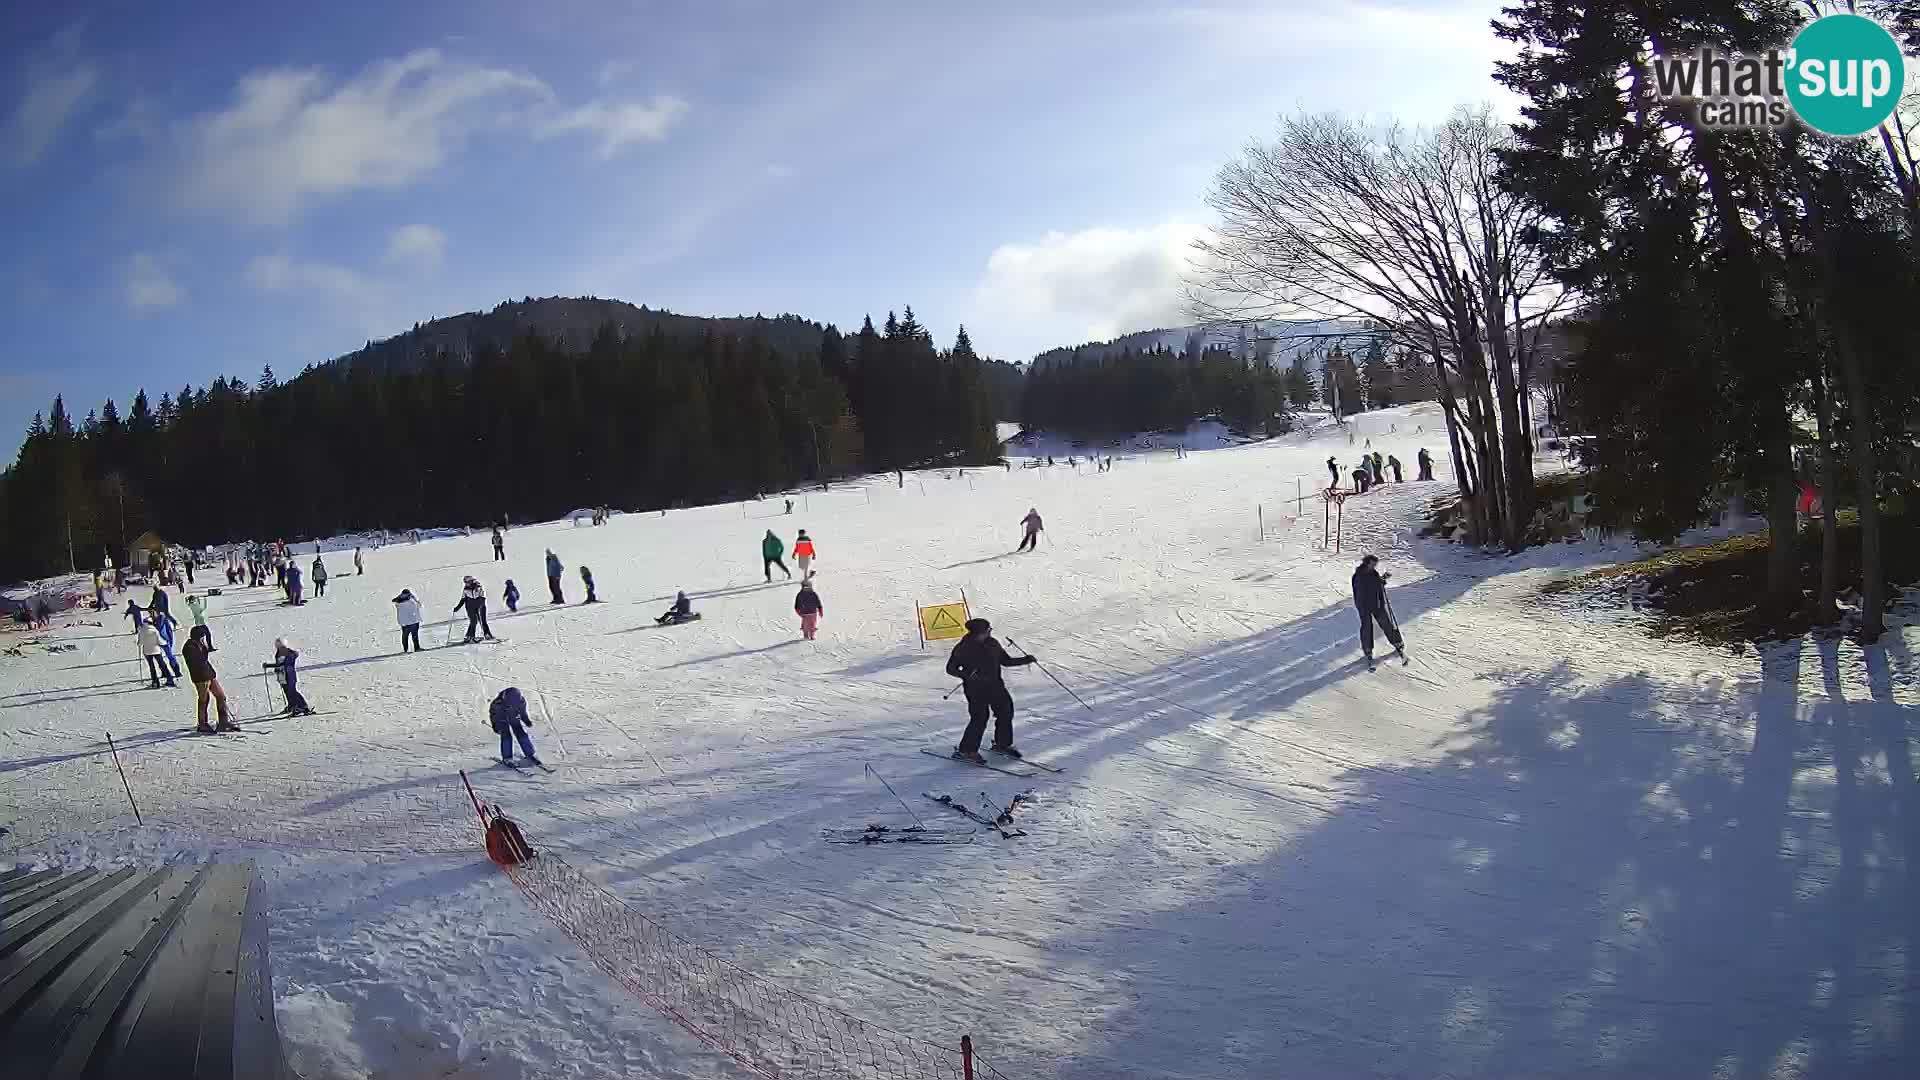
(553, 576)
(166, 624)
(511, 595)
(283, 666)
(293, 586)
(509, 720)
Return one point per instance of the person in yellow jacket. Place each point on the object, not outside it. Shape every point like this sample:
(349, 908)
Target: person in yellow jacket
(803, 553)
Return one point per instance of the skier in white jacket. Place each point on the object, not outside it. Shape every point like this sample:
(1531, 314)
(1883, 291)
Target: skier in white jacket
(406, 608)
(157, 669)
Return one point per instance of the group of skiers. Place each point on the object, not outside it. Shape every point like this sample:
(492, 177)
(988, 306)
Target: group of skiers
(1373, 469)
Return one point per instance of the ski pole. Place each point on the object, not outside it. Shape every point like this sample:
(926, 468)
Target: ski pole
(948, 694)
(1050, 675)
(896, 797)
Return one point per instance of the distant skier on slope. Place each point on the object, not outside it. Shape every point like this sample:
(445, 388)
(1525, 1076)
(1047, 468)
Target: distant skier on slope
(359, 566)
(553, 577)
(771, 549)
(1425, 461)
(406, 609)
(166, 625)
(499, 545)
(319, 575)
(511, 594)
(1370, 600)
(509, 720)
(1031, 523)
(976, 661)
(1394, 464)
(284, 668)
(586, 579)
(807, 605)
(294, 588)
(1333, 468)
(473, 600)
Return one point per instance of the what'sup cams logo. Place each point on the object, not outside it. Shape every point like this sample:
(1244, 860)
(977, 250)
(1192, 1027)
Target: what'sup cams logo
(1842, 75)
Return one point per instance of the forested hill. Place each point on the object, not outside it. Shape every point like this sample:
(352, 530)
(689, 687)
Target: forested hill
(569, 323)
(529, 410)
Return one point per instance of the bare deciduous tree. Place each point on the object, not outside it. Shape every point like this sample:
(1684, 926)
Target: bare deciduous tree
(1411, 231)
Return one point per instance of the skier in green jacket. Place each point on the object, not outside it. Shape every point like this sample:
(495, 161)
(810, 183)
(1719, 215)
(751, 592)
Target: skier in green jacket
(770, 551)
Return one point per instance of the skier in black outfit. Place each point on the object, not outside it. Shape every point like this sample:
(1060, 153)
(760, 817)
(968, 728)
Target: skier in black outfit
(976, 661)
(1333, 468)
(499, 545)
(1370, 600)
(509, 720)
(1425, 461)
(474, 602)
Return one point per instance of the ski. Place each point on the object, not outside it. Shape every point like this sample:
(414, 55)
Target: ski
(951, 803)
(520, 767)
(882, 834)
(980, 765)
(1041, 765)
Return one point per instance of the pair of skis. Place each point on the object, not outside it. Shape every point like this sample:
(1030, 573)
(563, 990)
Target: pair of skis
(518, 767)
(884, 834)
(1010, 770)
(1000, 822)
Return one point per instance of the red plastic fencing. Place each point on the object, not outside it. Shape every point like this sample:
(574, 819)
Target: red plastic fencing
(769, 1030)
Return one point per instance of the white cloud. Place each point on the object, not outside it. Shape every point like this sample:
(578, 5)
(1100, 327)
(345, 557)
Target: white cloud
(1089, 285)
(417, 245)
(291, 136)
(616, 125)
(150, 286)
(327, 281)
(57, 86)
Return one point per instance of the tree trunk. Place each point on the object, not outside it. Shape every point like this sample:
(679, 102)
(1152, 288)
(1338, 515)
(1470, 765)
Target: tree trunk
(1873, 585)
(1825, 610)
(1463, 472)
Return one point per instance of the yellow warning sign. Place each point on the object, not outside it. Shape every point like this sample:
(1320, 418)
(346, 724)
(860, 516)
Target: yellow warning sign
(942, 621)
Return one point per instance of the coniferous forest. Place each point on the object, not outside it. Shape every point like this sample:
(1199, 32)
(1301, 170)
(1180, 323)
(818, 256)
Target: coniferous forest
(527, 429)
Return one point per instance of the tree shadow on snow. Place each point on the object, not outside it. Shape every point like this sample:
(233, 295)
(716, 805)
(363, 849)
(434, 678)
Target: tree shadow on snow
(1584, 884)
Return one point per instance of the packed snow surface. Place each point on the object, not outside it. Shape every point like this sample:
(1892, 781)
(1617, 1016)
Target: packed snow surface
(1549, 846)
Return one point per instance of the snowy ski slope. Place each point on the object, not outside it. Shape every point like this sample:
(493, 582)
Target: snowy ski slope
(1550, 846)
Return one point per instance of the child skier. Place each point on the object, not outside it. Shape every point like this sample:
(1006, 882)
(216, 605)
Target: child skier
(511, 595)
(1370, 600)
(206, 683)
(771, 549)
(509, 720)
(807, 605)
(149, 638)
(681, 611)
(294, 596)
(586, 579)
(499, 546)
(976, 661)
(1031, 523)
(803, 554)
(197, 609)
(473, 600)
(319, 576)
(406, 608)
(283, 665)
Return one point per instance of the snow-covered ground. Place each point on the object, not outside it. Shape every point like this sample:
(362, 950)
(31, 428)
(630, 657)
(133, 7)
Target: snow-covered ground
(1547, 847)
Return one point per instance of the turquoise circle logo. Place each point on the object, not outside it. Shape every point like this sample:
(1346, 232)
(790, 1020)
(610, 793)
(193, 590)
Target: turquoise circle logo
(1847, 74)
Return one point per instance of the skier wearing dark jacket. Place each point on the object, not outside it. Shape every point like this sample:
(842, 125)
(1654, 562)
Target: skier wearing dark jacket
(553, 577)
(976, 661)
(1370, 600)
(474, 602)
(508, 718)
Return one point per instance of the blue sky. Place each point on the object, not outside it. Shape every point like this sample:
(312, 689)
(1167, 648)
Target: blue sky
(193, 189)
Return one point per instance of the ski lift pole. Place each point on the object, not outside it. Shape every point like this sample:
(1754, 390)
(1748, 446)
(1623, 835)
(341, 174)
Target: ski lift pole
(1050, 675)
